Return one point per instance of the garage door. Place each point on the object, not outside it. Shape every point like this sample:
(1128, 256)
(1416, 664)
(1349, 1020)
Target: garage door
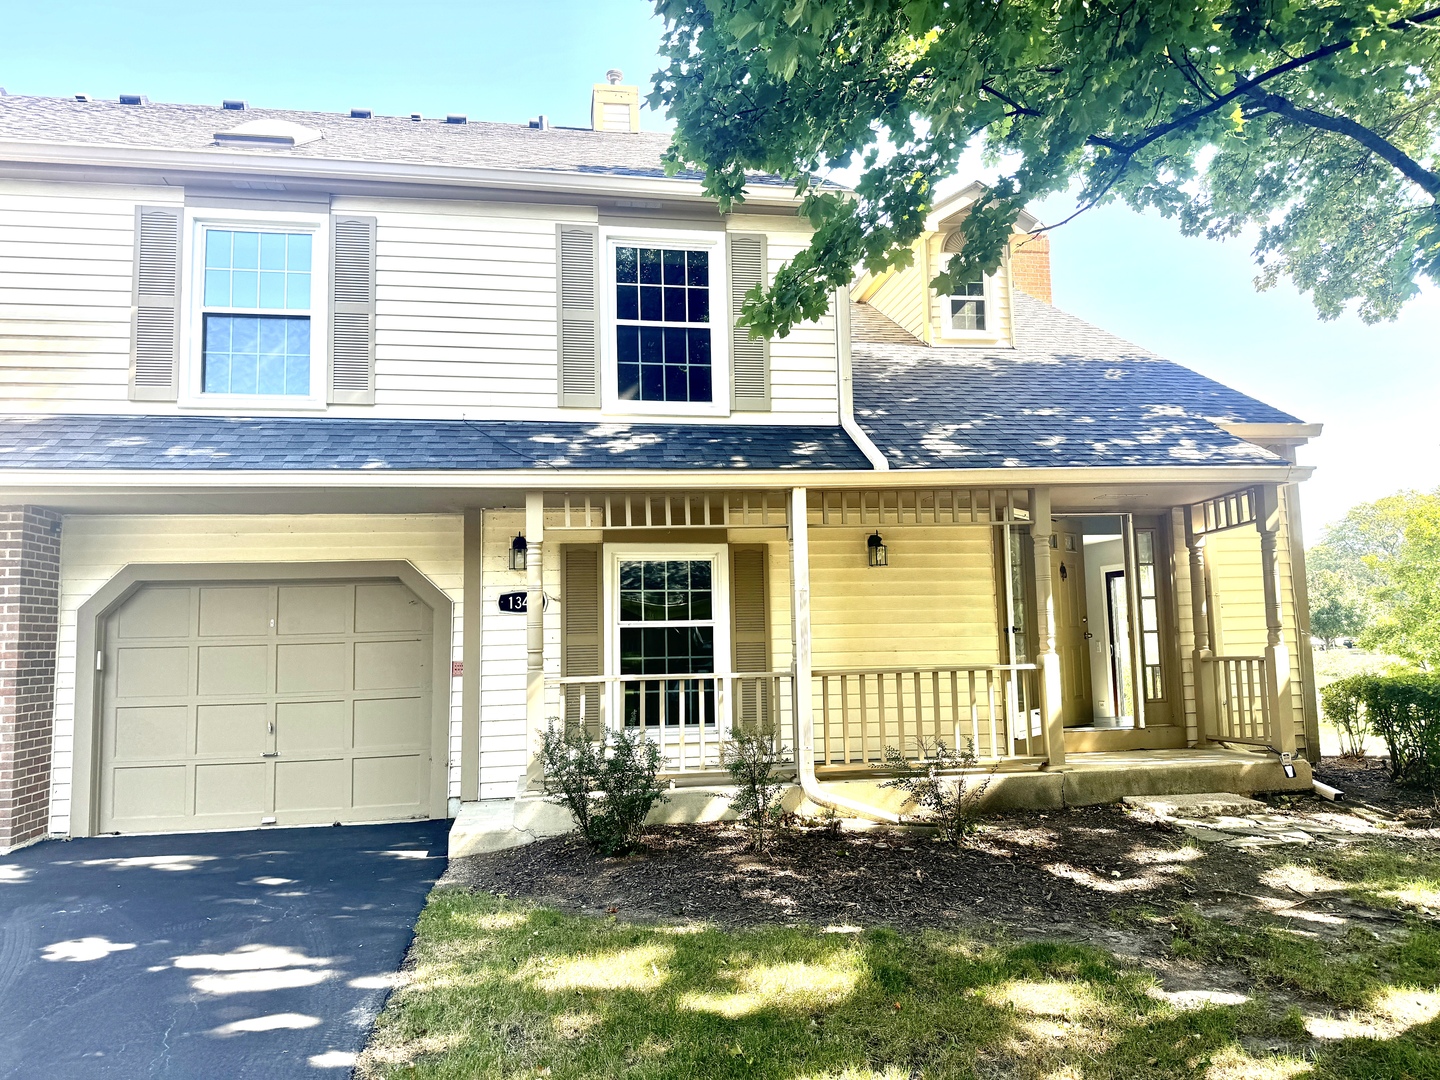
(236, 705)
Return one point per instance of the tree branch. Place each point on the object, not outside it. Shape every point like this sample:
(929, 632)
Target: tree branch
(1403, 163)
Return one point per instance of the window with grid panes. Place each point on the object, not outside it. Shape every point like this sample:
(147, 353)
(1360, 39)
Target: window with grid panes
(1149, 614)
(662, 324)
(967, 306)
(255, 312)
(667, 629)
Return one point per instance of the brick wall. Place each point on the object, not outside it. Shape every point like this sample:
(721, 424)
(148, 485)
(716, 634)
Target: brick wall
(1030, 266)
(29, 609)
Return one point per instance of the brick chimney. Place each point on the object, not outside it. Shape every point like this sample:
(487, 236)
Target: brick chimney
(1030, 265)
(614, 107)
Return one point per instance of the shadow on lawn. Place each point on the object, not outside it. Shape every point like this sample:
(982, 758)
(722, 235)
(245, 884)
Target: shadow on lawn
(504, 989)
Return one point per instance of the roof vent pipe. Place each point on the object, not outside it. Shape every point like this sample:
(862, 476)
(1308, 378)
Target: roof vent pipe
(614, 76)
(233, 104)
(541, 123)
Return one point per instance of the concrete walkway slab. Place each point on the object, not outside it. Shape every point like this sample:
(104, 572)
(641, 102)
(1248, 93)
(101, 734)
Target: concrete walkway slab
(236, 955)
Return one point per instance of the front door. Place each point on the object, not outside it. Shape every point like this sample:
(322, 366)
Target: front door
(1072, 628)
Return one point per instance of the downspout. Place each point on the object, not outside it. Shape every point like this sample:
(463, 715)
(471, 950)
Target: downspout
(804, 718)
(846, 388)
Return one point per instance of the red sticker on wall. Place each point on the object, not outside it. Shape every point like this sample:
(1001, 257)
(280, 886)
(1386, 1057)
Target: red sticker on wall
(457, 668)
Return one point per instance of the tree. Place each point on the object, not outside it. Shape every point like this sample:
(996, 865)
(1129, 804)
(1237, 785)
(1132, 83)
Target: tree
(1315, 123)
(1408, 624)
(1336, 610)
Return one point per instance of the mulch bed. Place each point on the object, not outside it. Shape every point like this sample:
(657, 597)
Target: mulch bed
(1366, 782)
(1042, 872)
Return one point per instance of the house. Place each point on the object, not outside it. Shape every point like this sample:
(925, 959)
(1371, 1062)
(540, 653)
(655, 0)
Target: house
(340, 454)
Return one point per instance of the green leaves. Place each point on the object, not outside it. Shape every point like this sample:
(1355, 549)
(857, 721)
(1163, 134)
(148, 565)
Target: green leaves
(1161, 105)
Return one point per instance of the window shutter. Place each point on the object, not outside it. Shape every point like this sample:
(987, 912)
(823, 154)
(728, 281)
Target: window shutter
(352, 310)
(749, 357)
(750, 634)
(155, 323)
(578, 253)
(580, 633)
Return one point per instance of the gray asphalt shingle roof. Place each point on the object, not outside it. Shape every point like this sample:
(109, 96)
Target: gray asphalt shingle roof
(1067, 395)
(202, 443)
(393, 139)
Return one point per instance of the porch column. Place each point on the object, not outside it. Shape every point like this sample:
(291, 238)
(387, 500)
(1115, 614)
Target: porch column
(800, 617)
(534, 632)
(1051, 714)
(1277, 656)
(1204, 671)
(471, 607)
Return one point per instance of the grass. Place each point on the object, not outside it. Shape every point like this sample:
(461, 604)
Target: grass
(508, 989)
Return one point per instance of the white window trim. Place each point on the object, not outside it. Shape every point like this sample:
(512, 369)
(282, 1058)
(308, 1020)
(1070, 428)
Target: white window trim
(719, 554)
(712, 240)
(989, 333)
(192, 338)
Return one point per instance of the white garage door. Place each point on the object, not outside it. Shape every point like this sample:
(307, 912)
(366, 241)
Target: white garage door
(236, 705)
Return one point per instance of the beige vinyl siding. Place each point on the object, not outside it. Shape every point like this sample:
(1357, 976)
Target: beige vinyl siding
(465, 307)
(901, 297)
(1238, 605)
(803, 368)
(934, 605)
(94, 548)
(66, 263)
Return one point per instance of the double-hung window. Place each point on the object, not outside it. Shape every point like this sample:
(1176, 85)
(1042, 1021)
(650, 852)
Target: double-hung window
(965, 308)
(662, 311)
(667, 631)
(255, 312)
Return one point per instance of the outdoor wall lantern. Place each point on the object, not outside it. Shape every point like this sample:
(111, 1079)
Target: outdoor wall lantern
(876, 549)
(518, 552)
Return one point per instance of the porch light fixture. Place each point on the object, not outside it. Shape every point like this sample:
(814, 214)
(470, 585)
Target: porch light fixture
(876, 549)
(519, 552)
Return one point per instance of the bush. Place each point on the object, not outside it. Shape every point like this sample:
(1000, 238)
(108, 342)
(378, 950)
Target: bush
(950, 802)
(752, 758)
(1404, 710)
(1342, 706)
(609, 787)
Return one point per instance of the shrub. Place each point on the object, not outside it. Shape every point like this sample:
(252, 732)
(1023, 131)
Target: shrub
(1341, 701)
(950, 801)
(609, 787)
(752, 757)
(1404, 710)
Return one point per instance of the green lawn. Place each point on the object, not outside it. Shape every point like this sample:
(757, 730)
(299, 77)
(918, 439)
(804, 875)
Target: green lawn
(508, 989)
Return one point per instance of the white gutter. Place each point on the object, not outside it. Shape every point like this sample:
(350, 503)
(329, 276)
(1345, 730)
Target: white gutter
(275, 166)
(846, 386)
(804, 672)
(561, 478)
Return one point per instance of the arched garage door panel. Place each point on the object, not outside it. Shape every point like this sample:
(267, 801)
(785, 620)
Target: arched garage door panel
(231, 705)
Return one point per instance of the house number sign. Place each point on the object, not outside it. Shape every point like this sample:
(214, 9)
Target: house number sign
(514, 602)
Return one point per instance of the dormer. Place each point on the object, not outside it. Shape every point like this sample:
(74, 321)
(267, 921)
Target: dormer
(978, 312)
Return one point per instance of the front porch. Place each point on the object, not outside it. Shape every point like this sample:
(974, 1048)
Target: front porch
(1082, 651)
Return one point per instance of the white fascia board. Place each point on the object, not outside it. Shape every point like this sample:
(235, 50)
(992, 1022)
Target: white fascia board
(112, 480)
(253, 164)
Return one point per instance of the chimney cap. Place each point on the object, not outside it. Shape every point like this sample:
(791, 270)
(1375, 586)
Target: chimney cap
(614, 76)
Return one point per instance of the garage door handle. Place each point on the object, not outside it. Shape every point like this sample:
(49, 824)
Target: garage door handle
(276, 754)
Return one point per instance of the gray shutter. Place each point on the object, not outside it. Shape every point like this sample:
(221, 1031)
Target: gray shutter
(352, 310)
(749, 357)
(578, 255)
(155, 321)
(581, 633)
(750, 633)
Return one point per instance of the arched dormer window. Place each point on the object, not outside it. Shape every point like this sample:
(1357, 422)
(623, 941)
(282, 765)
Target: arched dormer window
(966, 313)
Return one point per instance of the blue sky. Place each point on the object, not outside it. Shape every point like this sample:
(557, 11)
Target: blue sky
(1375, 388)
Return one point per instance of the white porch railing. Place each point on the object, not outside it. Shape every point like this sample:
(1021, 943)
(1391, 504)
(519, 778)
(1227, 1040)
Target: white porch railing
(859, 712)
(1242, 700)
(690, 717)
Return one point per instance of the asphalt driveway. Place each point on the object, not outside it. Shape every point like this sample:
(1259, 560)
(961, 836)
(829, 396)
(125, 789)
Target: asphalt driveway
(238, 954)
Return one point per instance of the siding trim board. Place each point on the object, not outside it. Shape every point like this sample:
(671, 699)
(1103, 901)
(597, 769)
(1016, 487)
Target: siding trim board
(84, 809)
